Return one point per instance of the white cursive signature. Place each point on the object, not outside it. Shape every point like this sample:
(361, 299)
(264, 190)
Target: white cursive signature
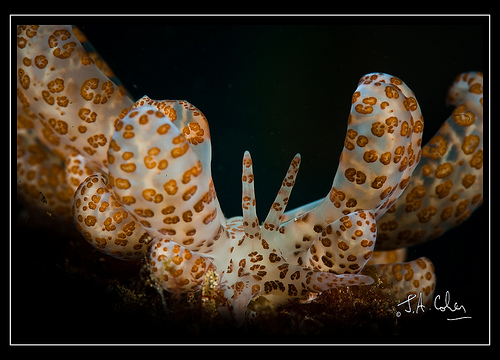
(442, 307)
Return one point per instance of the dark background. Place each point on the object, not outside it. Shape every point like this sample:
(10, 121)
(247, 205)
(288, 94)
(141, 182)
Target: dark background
(278, 86)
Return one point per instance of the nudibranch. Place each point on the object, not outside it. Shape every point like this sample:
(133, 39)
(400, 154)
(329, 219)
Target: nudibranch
(135, 177)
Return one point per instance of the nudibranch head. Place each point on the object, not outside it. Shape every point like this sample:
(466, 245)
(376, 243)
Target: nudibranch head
(256, 266)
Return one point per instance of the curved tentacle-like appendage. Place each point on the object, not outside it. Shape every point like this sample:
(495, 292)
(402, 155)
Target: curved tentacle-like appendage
(176, 268)
(69, 102)
(158, 177)
(345, 246)
(388, 257)
(65, 105)
(41, 178)
(105, 223)
(409, 278)
(381, 150)
(447, 185)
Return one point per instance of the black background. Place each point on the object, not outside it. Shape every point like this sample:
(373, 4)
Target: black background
(278, 86)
